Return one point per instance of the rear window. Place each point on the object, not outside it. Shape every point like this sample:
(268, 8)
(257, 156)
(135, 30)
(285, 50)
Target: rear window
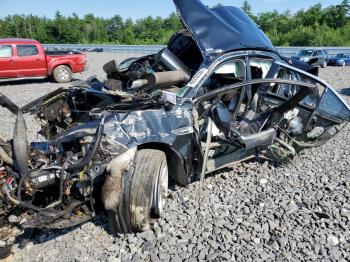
(5, 51)
(27, 50)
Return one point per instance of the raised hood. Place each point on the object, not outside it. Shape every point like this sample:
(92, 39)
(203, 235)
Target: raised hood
(221, 29)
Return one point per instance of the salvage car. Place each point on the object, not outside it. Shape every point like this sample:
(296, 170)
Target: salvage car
(215, 96)
(340, 60)
(26, 59)
(317, 57)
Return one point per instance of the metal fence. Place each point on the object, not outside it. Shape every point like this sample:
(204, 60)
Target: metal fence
(149, 49)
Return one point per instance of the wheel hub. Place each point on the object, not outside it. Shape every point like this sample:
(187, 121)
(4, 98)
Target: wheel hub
(63, 74)
(160, 192)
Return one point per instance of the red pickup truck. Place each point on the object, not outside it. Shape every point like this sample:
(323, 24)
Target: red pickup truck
(25, 58)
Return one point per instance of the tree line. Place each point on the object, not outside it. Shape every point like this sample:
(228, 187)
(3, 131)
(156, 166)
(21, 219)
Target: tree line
(315, 26)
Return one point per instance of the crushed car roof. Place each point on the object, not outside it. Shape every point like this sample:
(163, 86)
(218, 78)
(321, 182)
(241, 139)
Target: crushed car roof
(221, 29)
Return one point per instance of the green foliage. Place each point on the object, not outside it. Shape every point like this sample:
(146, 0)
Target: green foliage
(90, 29)
(316, 26)
(247, 8)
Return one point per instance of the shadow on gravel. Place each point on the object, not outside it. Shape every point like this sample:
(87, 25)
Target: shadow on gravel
(32, 81)
(345, 91)
(40, 236)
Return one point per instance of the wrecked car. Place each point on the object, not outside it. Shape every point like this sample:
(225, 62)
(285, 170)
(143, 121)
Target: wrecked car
(315, 58)
(218, 94)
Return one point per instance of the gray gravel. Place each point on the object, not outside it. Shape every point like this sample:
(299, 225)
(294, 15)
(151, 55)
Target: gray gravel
(250, 212)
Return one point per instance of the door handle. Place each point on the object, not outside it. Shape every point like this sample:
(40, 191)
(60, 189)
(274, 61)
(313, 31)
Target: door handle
(39, 60)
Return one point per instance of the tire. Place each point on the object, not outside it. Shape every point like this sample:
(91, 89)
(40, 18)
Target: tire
(141, 187)
(62, 74)
(324, 65)
(343, 64)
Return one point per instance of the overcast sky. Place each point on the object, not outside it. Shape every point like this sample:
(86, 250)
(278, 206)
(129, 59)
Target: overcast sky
(136, 8)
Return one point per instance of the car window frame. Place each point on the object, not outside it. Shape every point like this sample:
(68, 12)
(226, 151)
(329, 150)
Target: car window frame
(298, 76)
(12, 51)
(21, 45)
(316, 79)
(190, 91)
(215, 68)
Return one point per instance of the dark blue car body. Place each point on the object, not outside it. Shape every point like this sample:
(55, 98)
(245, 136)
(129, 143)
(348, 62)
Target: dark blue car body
(340, 60)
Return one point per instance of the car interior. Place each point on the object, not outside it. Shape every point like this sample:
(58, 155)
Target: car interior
(247, 116)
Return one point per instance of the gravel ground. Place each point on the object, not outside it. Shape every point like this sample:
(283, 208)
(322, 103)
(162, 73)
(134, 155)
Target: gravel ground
(251, 212)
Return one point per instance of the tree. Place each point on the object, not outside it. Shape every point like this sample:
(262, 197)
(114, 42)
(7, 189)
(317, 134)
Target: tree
(115, 29)
(246, 7)
(313, 26)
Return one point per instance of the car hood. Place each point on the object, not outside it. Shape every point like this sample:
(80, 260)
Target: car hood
(221, 29)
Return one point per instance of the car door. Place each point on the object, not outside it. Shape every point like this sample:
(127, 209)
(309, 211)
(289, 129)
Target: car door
(7, 64)
(220, 99)
(30, 62)
(287, 111)
(315, 59)
(325, 54)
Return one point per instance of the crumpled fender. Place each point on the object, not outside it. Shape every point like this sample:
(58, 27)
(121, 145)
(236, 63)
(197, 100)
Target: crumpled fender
(112, 189)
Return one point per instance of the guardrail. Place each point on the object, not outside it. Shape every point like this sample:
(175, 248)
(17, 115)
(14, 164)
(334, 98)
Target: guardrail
(150, 49)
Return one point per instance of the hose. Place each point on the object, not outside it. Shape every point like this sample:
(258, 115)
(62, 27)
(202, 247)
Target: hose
(7, 103)
(19, 202)
(88, 157)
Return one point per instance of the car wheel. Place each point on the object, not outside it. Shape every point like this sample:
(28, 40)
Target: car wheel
(62, 74)
(145, 192)
(343, 64)
(324, 64)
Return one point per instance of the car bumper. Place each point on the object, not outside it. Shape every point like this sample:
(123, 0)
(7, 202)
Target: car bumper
(335, 63)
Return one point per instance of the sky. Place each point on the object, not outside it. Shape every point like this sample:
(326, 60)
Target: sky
(137, 8)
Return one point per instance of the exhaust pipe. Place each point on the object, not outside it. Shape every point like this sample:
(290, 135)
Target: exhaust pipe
(160, 80)
(167, 59)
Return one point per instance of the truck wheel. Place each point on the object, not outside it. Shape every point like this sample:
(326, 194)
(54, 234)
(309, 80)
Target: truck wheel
(145, 192)
(62, 74)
